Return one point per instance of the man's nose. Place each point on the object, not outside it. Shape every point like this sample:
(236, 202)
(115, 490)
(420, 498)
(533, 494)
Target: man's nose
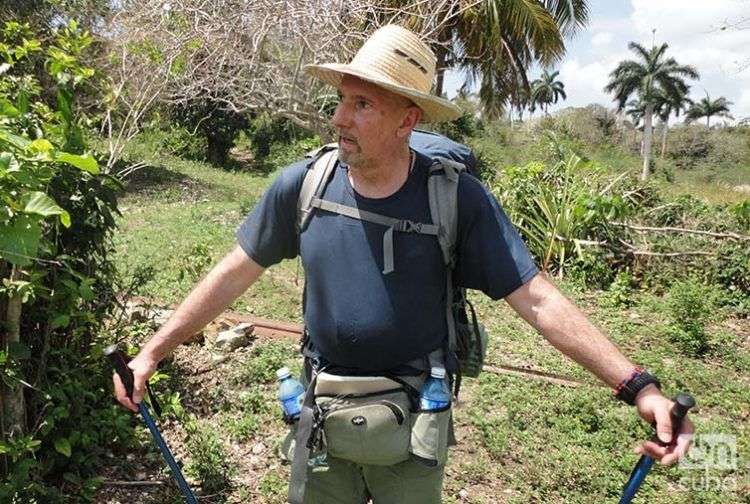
(340, 117)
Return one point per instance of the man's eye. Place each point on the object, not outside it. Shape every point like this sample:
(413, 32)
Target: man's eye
(362, 104)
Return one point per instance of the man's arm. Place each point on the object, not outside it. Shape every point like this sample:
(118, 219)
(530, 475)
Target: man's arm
(226, 281)
(561, 323)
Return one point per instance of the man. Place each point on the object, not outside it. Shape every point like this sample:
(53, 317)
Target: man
(370, 314)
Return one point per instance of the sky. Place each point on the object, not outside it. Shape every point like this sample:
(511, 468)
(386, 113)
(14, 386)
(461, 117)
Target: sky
(693, 30)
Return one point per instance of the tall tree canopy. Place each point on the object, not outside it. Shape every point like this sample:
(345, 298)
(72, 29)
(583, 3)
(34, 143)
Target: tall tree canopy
(547, 90)
(646, 78)
(496, 41)
(708, 108)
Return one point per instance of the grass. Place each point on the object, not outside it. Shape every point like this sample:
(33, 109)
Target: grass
(520, 440)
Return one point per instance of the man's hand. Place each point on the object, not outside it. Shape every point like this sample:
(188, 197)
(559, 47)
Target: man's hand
(654, 408)
(143, 366)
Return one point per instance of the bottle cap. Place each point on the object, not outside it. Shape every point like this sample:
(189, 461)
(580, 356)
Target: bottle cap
(437, 372)
(282, 373)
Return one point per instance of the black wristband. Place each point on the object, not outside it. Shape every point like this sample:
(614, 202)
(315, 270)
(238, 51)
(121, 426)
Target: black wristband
(630, 389)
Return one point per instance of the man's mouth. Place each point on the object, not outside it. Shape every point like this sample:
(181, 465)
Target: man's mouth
(347, 139)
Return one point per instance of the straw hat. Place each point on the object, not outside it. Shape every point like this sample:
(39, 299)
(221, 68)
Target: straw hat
(396, 59)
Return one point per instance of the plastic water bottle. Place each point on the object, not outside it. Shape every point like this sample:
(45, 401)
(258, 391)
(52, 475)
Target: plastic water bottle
(291, 393)
(435, 393)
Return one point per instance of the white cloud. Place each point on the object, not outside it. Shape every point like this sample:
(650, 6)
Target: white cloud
(602, 38)
(693, 32)
(695, 37)
(743, 104)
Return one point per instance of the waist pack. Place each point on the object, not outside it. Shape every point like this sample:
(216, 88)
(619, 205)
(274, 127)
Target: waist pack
(373, 420)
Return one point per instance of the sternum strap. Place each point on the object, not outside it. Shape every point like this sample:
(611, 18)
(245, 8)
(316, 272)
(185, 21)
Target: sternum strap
(402, 225)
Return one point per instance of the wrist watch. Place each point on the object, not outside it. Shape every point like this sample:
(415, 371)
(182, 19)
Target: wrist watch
(628, 389)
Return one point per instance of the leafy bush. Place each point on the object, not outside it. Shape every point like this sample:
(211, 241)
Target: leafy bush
(283, 154)
(208, 457)
(590, 125)
(265, 360)
(691, 307)
(58, 214)
(195, 263)
(688, 145)
(173, 139)
(562, 209)
(620, 290)
(265, 132)
(741, 212)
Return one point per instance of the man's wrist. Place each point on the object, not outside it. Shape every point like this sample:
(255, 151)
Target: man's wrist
(629, 388)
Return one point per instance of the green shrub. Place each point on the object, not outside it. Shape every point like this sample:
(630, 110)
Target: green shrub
(691, 307)
(619, 293)
(242, 427)
(273, 487)
(57, 215)
(265, 131)
(688, 145)
(193, 265)
(741, 212)
(265, 360)
(283, 154)
(208, 460)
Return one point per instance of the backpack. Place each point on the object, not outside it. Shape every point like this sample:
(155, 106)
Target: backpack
(467, 340)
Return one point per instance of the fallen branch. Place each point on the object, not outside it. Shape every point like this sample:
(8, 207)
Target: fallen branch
(672, 254)
(536, 375)
(670, 229)
(135, 483)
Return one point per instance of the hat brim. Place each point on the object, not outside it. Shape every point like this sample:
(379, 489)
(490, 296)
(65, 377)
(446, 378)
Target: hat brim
(434, 109)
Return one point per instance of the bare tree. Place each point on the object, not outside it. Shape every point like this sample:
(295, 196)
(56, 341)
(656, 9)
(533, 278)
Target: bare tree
(246, 56)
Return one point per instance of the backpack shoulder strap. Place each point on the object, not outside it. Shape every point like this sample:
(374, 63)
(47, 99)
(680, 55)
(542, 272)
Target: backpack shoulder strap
(316, 178)
(442, 191)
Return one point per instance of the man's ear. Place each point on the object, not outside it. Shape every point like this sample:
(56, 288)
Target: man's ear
(411, 118)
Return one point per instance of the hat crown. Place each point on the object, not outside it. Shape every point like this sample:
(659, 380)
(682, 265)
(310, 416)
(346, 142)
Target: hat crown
(399, 56)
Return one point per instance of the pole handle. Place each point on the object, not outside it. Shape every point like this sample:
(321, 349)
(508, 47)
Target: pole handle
(119, 361)
(682, 404)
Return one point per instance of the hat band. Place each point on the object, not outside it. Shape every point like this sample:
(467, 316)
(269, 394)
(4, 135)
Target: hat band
(380, 73)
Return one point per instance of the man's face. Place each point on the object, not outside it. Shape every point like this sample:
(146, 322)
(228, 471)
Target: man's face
(371, 122)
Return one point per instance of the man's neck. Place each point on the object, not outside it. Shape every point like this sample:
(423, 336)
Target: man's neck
(384, 178)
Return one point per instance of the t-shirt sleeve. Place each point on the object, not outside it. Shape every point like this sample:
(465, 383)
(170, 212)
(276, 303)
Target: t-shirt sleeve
(269, 233)
(492, 257)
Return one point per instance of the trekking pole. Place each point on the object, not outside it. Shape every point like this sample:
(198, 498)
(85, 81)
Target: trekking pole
(120, 363)
(683, 402)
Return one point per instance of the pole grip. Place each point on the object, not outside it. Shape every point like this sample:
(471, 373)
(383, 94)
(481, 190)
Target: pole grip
(119, 361)
(682, 404)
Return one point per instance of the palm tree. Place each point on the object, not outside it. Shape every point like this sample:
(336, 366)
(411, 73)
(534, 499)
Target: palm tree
(664, 107)
(707, 108)
(644, 79)
(546, 89)
(496, 41)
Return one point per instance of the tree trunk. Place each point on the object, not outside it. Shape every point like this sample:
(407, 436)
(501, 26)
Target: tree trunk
(647, 134)
(217, 151)
(708, 121)
(14, 406)
(664, 138)
(440, 70)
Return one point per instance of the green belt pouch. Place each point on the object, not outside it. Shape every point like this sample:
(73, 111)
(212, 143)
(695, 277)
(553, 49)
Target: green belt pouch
(372, 428)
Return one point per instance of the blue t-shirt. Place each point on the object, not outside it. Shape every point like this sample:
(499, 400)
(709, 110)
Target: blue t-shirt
(358, 317)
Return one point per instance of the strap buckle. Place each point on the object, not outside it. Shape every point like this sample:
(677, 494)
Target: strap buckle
(407, 226)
